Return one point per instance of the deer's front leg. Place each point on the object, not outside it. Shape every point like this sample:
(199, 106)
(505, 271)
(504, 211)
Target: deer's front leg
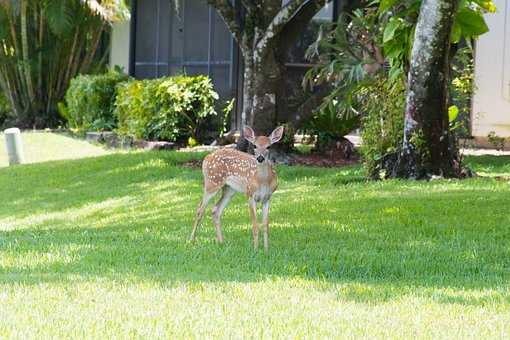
(253, 213)
(265, 223)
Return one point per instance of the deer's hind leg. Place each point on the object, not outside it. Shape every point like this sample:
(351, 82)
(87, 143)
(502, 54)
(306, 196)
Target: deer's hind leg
(265, 223)
(208, 194)
(226, 196)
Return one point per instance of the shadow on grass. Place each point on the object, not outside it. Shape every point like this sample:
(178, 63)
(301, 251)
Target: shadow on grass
(59, 185)
(373, 246)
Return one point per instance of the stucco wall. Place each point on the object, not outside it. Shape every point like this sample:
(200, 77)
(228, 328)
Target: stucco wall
(120, 45)
(491, 102)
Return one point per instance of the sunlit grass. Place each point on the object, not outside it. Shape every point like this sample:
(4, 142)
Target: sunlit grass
(46, 146)
(98, 248)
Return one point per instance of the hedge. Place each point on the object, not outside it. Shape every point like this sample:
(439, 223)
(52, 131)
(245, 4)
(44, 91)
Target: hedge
(90, 101)
(170, 108)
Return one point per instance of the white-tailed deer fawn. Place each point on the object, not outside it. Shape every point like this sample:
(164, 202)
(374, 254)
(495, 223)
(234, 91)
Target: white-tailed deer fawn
(236, 171)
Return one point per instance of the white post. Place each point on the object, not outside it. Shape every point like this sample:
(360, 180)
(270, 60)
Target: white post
(14, 146)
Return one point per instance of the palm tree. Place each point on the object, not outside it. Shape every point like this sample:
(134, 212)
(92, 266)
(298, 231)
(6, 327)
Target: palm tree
(44, 44)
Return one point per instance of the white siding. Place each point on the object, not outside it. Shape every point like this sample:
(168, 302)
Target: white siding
(119, 53)
(491, 102)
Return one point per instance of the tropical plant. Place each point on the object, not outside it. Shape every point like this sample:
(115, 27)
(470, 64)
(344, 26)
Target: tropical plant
(5, 111)
(46, 43)
(383, 123)
(378, 39)
(344, 51)
(329, 126)
(344, 55)
(378, 34)
(398, 23)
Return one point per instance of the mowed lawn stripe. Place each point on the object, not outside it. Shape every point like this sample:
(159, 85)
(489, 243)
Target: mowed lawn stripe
(98, 248)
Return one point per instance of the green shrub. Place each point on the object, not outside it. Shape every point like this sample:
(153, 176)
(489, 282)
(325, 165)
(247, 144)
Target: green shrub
(330, 125)
(286, 144)
(5, 111)
(496, 141)
(383, 122)
(171, 108)
(90, 101)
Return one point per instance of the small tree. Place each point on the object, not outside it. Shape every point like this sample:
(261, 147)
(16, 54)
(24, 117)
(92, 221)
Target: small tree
(44, 44)
(428, 148)
(420, 39)
(265, 30)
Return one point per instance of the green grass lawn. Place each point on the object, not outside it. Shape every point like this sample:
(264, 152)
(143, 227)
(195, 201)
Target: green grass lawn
(97, 248)
(45, 146)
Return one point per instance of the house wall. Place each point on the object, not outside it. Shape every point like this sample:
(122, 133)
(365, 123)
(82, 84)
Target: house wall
(119, 52)
(491, 102)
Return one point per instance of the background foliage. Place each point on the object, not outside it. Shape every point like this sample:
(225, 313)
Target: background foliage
(462, 89)
(5, 111)
(383, 123)
(365, 57)
(397, 21)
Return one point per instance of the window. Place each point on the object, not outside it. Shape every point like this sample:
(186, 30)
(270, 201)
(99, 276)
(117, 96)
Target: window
(190, 38)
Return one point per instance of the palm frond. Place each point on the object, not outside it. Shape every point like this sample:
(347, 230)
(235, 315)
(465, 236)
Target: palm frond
(60, 17)
(11, 5)
(108, 10)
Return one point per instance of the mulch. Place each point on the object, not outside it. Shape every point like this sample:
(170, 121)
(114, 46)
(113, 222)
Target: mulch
(324, 161)
(193, 164)
(499, 178)
(316, 160)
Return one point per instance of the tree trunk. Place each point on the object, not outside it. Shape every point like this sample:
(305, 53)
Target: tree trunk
(428, 148)
(267, 88)
(263, 89)
(26, 56)
(265, 30)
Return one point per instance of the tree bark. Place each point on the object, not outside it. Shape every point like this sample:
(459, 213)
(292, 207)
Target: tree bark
(265, 30)
(263, 93)
(428, 148)
(267, 80)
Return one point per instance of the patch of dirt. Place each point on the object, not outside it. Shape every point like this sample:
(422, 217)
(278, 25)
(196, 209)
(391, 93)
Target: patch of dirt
(193, 164)
(502, 178)
(316, 160)
(323, 161)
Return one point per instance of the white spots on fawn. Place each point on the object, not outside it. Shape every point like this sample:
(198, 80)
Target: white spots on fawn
(220, 165)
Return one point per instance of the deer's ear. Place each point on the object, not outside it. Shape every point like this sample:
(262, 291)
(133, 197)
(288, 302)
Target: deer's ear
(276, 135)
(249, 134)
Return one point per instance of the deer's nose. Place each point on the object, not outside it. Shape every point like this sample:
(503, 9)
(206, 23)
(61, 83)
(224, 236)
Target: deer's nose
(260, 158)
